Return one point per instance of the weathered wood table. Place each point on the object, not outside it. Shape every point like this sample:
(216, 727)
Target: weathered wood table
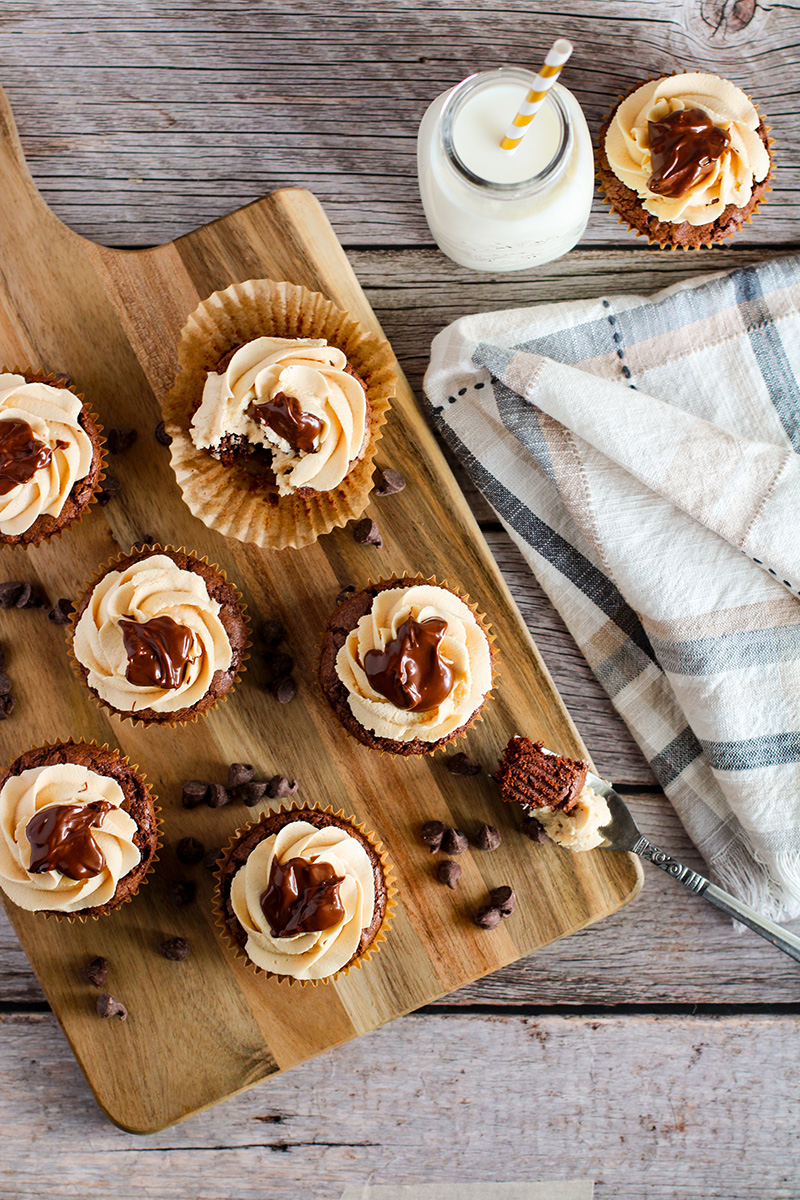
(653, 1053)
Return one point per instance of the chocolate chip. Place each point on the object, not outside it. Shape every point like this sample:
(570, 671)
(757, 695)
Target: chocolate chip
(95, 971)
(533, 830)
(386, 483)
(252, 793)
(61, 612)
(14, 594)
(347, 591)
(189, 851)
(279, 787)
(503, 899)
(120, 440)
(285, 691)
(272, 632)
(181, 891)
(279, 665)
(449, 873)
(161, 435)
(5, 684)
(432, 833)
(109, 1006)
(454, 842)
(218, 796)
(9, 590)
(366, 533)
(3, 660)
(145, 541)
(194, 793)
(211, 858)
(7, 705)
(462, 764)
(239, 773)
(111, 488)
(487, 838)
(176, 949)
(488, 917)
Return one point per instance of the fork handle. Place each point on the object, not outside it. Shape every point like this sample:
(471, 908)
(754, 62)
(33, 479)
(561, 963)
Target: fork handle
(781, 938)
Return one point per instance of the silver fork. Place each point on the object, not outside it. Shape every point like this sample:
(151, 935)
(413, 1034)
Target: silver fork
(624, 834)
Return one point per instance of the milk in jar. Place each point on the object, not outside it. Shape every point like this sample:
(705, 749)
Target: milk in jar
(495, 210)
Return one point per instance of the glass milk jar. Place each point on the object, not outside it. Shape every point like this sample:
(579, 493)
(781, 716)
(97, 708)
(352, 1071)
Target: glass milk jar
(495, 210)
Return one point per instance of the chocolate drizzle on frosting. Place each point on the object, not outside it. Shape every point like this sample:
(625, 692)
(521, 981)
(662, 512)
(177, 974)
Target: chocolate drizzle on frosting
(302, 897)
(285, 417)
(410, 671)
(684, 145)
(158, 651)
(61, 839)
(21, 454)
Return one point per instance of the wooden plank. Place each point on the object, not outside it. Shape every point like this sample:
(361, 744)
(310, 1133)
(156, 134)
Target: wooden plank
(141, 124)
(110, 320)
(661, 1107)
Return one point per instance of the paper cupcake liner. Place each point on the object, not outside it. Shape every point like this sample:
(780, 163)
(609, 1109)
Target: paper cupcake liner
(58, 380)
(340, 818)
(72, 918)
(661, 242)
(168, 720)
(229, 499)
(373, 741)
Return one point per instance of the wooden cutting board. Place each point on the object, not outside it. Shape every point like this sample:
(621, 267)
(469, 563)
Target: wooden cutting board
(200, 1030)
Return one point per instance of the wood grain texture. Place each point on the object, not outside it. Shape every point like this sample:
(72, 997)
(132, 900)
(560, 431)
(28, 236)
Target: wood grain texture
(110, 320)
(659, 1107)
(143, 121)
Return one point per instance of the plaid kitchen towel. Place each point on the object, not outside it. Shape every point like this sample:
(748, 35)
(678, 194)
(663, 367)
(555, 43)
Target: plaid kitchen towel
(644, 454)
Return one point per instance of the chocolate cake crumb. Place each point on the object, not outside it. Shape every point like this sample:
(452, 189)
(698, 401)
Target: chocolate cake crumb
(95, 971)
(189, 851)
(108, 1006)
(366, 533)
(449, 873)
(177, 949)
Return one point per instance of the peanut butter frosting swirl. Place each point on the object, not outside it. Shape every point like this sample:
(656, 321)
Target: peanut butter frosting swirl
(310, 373)
(464, 647)
(26, 794)
(52, 414)
(306, 955)
(578, 829)
(151, 587)
(729, 180)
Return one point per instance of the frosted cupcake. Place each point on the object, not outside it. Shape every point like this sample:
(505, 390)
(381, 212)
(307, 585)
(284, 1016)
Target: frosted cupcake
(406, 665)
(159, 636)
(78, 830)
(50, 457)
(685, 159)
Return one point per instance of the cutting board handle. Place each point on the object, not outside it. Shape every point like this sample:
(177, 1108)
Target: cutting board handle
(13, 166)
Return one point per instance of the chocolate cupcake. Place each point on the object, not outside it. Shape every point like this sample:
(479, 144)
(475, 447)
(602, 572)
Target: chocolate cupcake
(51, 457)
(304, 894)
(78, 830)
(685, 159)
(159, 636)
(406, 665)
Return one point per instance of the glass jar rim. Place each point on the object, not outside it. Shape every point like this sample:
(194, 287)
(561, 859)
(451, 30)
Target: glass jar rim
(523, 187)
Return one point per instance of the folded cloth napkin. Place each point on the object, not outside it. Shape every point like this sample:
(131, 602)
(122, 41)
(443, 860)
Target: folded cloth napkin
(644, 454)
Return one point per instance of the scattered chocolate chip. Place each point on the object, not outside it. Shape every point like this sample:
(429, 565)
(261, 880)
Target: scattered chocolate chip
(432, 833)
(161, 435)
(488, 917)
(181, 891)
(449, 873)
(61, 612)
(218, 796)
(7, 704)
(272, 632)
(194, 793)
(487, 838)
(285, 691)
(279, 665)
(503, 899)
(279, 787)
(3, 660)
(5, 684)
(189, 851)
(347, 591)
(176, 949)
(111, 488)
(120, 440)
(366, 533)
(386, 483)
(239, 773)
(462, 764)
(95, 971)
(210, 860)
(15, 594)
(533, 830)
(252, 793)
(454, 842)
(109, 1006)
(10, 590)
(145, 541)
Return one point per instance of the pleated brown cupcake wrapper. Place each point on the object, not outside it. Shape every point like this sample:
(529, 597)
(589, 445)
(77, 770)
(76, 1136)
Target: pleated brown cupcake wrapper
(225, 498)
(113, 565)
(75, 918)
(665, 243)
(406, 579)
(58, 381)
(340, 819)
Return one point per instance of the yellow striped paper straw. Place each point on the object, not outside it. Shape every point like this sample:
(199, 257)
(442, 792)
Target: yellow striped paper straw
(557, 55)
